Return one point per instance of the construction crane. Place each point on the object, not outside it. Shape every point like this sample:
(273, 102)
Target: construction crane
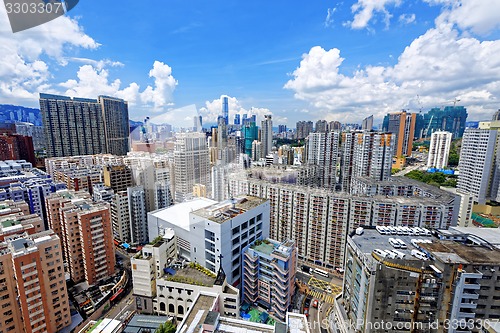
(452, 101)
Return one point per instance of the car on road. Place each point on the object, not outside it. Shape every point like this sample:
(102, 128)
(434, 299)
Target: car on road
(306, 312)
(315, 303)
(307, 302)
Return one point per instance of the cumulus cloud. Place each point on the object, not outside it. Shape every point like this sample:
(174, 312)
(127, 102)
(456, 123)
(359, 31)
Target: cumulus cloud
(161, 94)
(438, 66)
(29, 57)
(213, 109)
(93, 81)
(23, 71)
(366, 10)
(479, 16)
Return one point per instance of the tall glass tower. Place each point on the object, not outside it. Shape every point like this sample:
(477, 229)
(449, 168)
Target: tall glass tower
(225, 109)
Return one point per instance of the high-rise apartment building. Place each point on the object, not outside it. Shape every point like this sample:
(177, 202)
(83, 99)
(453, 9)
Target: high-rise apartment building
(86, 235)
(439, 150)
(477, 158)
(116, 125)
(319, 220)
(372, 155)
(192, 163)
(120, 217)
(35, 132)
(303, 128)
(33, 297)
(117, 176)
(402, 126)
(137, 215)
(154, 173)
(269, 275)
(267, 135)
(73, 126)
(367, 124)
(79, 178)
(321, 126)
(323, 151)
(257, 150)
(423, 285)
(450, 119)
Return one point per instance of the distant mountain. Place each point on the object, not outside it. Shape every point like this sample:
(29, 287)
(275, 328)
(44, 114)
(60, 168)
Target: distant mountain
(16, 113)
(134, 123)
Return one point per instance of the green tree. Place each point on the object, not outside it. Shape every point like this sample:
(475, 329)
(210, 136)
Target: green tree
(167, 327)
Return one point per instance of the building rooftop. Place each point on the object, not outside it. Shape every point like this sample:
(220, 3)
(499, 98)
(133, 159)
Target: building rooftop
(269, 246)
(297, 323)
(140, 322)
(228, 209)
(195, 276)
(371, 239)
(199, 312)
(179, 214)
(490, 235)
(456, 252)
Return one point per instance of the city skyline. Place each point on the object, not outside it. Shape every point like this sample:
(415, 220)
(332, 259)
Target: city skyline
(341, 61)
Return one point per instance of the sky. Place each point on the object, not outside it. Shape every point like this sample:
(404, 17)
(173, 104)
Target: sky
(296, 60)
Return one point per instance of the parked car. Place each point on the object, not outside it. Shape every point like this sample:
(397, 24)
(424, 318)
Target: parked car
(306, 312)
(315, 303)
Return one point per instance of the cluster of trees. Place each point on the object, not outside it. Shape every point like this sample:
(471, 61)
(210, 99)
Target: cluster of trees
(168, 327)
(291, 142)
(436, 179)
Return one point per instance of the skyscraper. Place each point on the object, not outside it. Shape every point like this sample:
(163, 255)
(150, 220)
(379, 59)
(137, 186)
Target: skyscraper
(237, 119)
(137, 215)
(372, 156)
(477, 158)
(323, 151)
(225, 109)
(192, 163)
(116, 125)
(250, 134)
(450, 119)
(439, 150)
(82, 126)
(367, 123)
(402, 125)
(303, 129)
(267, 135)
(321, 126)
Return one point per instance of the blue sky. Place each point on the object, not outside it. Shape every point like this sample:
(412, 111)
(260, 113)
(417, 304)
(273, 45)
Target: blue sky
(294, 59)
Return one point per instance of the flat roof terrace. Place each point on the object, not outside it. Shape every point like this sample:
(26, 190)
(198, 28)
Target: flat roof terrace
(228, 209)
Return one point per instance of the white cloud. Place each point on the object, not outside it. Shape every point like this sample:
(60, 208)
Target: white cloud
(160, 95)
(438, 66)
(93, 81)
(365, 10)
(213, 109)
(29, 57)
(407, 18)
(98, 64)
(480, 16)
(23, 72)
(329, 16)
